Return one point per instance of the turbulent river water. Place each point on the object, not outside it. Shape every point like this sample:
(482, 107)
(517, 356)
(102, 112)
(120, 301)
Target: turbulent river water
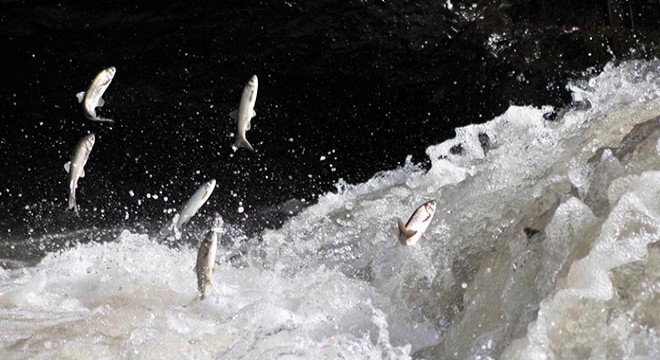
(544, 246)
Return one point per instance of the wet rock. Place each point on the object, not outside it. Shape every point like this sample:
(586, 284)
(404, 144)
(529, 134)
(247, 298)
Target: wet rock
(638, 135)
(426, 164)
(273, 216)
(484, 140)
(530, 232)
(555, 114)
(550, 116)
(581, 105)
(456, 149)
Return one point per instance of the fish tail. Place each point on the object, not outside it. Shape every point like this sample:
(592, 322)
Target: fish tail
(205, 284)
(243, 143)
(201, 282)
(202, 290)
(401, 225)
(72, 203)
(91, 114)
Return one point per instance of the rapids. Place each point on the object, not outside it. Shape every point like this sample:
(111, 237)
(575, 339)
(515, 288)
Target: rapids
(544, 246)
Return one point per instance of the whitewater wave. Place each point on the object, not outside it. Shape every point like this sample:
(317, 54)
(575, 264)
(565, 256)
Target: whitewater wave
(137, 298)
(544, 245)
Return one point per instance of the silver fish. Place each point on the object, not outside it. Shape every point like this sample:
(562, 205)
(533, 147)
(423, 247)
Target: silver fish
(413, 230)
(195, 202)
(75, 167)
(205, 265)
(91, 99)
(245, 113)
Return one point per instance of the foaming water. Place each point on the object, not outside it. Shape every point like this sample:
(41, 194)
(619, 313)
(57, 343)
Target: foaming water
(135, 297)
(544, 245)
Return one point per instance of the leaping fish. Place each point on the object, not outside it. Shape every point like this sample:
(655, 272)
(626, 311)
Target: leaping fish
(245, 113)
(75, 167)
(195, 202)
(413, 230)
(91, 99)
(205, 265)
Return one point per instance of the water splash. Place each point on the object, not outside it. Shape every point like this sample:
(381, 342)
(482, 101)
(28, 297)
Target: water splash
(544, 245)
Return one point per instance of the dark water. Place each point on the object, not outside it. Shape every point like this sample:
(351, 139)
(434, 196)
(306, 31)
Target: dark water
(347, 89)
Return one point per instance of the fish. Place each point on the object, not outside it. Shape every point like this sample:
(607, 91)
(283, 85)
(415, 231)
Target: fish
(245, 113)
(91, 99)
(76, 167)
(205, 265)
(413, 230)
(195, 202)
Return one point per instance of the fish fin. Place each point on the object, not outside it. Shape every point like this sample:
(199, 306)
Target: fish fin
(410, 233)
(100, 119)
(80, 96)
(234, 114)
(101, 103)
(67, 166)
(242, 143)
(82, 172)
(253, 114)
(248, 126)
(402, 226)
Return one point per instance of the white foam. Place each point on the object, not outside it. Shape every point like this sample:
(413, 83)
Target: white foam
(136, 297)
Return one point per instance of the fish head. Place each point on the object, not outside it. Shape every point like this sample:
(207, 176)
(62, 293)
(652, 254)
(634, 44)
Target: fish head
(253, 84)
(111, 71)
(430, 206)
(108, 74)
(209, 186)
(88, 141)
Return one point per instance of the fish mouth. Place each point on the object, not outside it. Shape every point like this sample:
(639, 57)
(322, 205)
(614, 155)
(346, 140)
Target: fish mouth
(253, 81)
(210, 185)
(111, 72)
